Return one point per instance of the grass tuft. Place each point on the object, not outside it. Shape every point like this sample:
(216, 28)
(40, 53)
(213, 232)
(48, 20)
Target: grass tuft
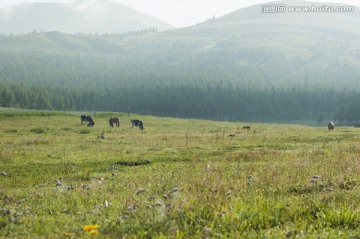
(133, 162)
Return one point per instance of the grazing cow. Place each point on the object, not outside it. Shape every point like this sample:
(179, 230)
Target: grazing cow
(115, 121)
(331, 126)
(137, 123)
(87, 118)
(247, 127)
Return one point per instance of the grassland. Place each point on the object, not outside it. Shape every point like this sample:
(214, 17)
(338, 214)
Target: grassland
(177, 179)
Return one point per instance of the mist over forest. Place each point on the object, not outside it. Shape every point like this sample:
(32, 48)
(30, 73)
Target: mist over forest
(244, 66)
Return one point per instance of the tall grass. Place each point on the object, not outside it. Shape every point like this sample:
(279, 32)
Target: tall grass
(177, 179)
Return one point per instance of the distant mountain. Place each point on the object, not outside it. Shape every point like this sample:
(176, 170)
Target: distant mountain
(315, 47)
(83, 16)
(297, 36)
(302, 40)
(299, 46)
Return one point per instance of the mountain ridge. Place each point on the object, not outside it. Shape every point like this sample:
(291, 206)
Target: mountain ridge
(83, 16)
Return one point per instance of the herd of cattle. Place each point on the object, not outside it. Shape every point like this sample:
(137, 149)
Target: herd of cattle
(140, 125)
(112, 121)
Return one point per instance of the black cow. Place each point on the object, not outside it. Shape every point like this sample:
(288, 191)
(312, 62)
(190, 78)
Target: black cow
(87, 118)
(331, 126)
(137, 123)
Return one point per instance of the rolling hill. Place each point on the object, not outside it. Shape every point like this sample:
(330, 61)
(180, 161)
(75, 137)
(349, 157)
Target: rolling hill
(83, 16)
(244, 65)
(309, 38)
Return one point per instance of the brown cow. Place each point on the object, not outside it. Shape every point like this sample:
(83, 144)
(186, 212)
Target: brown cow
(247, 127)
(115, 121)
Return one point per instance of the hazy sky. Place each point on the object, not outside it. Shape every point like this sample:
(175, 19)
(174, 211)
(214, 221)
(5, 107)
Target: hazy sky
(180, 13)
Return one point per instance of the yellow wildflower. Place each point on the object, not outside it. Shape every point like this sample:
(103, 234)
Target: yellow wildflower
(90, 227)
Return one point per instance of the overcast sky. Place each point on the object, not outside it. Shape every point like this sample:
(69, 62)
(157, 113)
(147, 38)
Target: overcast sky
(181, 13)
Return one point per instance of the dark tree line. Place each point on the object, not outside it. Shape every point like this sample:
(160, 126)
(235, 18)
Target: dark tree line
(211, 102)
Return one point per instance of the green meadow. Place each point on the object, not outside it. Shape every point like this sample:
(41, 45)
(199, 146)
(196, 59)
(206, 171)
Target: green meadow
(179, 178)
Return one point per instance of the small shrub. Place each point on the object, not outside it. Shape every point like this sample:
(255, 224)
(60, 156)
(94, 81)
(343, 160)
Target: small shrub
(38, 130)
(84, 131)
(303, 189)
(11, 131)
(133, 162)
(348, 184)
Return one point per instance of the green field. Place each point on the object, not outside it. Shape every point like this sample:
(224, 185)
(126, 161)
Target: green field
(180, 178)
